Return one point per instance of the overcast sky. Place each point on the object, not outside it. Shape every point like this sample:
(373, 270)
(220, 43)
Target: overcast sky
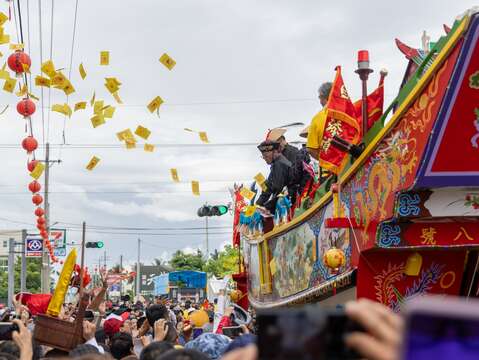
(242, 67)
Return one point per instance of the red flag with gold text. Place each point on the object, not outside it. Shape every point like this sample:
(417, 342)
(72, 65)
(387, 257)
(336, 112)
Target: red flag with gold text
(341, 121)
(375, 101)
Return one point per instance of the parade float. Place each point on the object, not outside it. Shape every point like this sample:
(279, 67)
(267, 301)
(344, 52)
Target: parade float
(401, 219)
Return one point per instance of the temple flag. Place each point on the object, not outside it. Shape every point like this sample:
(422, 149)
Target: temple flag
(375, 101)
(341, 120)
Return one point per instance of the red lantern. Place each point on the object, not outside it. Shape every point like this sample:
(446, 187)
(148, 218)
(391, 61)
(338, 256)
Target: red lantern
(26, 107)
(39, 211)
(31, 165)
(41, 227)
(34, 186)
(41, 221)
(30, 144)
(37, 199)
(18, 60)
(44, 234)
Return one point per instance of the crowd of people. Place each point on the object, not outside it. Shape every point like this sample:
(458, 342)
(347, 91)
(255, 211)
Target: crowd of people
(165, 330)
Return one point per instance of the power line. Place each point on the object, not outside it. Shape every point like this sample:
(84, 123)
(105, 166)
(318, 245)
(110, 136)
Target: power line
(106, 227)
(41, 62)
(51, 56)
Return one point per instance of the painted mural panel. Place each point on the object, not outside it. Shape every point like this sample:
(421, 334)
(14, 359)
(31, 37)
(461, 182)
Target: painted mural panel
(252, 265)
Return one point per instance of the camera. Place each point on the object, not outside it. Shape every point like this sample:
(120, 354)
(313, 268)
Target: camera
(309, 332)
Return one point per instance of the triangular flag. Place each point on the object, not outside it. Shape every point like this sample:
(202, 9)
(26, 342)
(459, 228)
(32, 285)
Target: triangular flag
(166, 60)
(104, 57)
(38, 170)
(174, 175)
(142, 132)
(195, 187)
(92, 163)
(82, 71)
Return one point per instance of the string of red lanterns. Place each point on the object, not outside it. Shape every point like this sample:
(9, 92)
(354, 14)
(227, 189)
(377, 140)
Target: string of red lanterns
(19, 62)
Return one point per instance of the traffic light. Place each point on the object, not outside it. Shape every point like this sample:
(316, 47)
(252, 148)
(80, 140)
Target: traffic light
(94, 244)
(217, 210)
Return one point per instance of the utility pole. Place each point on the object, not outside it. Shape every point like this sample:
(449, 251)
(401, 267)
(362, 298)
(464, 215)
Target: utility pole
(138, 275)
(45, 279)
(207, 242)
(23, 271)
(121, 272)
(11, 270)
(45, 257)
(104, 259)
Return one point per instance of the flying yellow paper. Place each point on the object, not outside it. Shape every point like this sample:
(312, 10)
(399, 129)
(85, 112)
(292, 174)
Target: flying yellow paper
(104, 57)
(203, 136)
(59, 80)
(117, 98)
(9, 85)
(174, 175)
(247, 193)
(4, 73)
(112, 85)
(188, 129)
(259, 178)
(142, 132)
(23, 91)
(37, 171)
(125, 135)
(166, 60)
(155, 104)
(16, 46)
(48, 68)
(93, 162)
(62, 109)
(80, 105)
(130, 144)
(42, 81)
(3, 18)
(68, 88)
(33, 96)
(92, 100)
(109, 111)
(82, 71)
(149, 147)
(4, 39)
(97, 120)
(249, 210)
(195, 187)
(98, 106)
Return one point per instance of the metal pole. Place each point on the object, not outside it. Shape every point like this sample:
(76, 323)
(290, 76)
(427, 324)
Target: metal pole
(11, 270)
(23, 273)
(207, 242)
(121, 271)
(82, 258)
(138, 275)
(104, 259)
(364, 107)
(45, 281)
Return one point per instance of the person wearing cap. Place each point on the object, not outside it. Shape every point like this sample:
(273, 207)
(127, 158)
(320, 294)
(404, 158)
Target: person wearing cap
(280, 174)
(315, 135)
(277, 135)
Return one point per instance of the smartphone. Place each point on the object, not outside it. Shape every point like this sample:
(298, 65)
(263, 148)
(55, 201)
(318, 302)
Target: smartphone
(440, 327)
(232, 331)
(6, 329)
(309, 332)
(89, 315)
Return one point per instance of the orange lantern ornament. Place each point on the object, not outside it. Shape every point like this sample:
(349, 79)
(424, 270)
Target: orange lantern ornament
(26, 107)
(37, 199)
(34, 186)
(41, 221)
(334, 258)
(19, 61)
(31, 165)
(30, 144)
(39, 211)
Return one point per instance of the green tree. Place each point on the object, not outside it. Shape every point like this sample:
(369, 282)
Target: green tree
(223, 262)
(182, 261)
(33, 282)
